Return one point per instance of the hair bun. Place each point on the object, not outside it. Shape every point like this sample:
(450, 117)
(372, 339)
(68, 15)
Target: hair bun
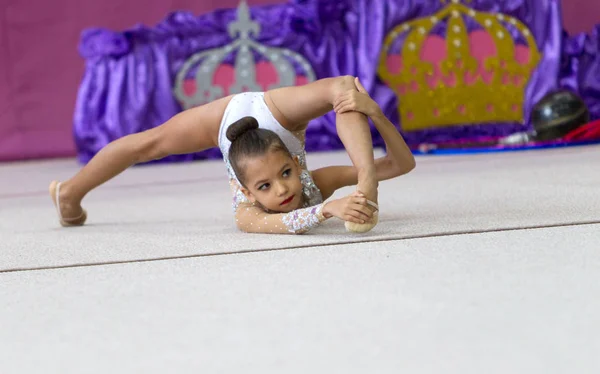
(240, 127)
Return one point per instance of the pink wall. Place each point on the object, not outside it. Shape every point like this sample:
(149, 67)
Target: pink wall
(40, 69)
(580, 15)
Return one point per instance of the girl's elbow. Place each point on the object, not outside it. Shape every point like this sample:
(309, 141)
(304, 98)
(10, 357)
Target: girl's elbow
(406, 167)
(411, 164)
(243, 226)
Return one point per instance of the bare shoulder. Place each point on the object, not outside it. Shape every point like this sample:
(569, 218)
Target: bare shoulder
(331, 178)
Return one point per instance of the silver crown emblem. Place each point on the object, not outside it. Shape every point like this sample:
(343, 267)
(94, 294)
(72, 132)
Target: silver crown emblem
(207, 62)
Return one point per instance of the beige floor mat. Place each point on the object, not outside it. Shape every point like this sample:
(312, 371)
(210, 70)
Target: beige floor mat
(518, 302)
(171, 211)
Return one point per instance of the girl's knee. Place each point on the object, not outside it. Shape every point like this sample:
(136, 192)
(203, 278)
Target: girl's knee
(341, 85)
(347, 82)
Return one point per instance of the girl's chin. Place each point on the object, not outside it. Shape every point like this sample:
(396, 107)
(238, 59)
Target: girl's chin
(280, 210)
(284, 210)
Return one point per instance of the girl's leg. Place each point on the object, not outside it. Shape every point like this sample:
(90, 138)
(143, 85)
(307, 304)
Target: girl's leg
(193, 130)
(294, 107)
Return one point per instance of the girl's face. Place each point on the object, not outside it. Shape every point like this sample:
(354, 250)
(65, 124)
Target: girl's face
(273, 180)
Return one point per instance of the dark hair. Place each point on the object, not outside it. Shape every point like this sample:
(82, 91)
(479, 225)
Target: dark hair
(247, 140)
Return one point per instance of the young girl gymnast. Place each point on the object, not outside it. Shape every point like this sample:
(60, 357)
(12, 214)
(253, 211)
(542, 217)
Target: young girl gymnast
(261, 137)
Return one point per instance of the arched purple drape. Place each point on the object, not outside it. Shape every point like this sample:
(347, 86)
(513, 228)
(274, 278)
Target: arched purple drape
(580, 68)
(129, 76)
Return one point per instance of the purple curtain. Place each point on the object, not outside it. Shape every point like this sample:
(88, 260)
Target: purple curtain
(580, 68)
(127, 87)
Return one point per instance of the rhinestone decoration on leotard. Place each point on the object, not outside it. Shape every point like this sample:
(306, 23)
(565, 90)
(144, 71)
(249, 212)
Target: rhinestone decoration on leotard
(302, 220)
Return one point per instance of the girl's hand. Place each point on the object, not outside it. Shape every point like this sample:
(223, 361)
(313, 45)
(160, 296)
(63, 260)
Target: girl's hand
(353, 101)
(353, 208)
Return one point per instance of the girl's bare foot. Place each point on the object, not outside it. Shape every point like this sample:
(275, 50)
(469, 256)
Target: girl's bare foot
(70, 213)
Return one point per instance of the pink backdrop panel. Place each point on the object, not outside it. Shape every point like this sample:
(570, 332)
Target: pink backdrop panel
(580, 15)
(40, 69)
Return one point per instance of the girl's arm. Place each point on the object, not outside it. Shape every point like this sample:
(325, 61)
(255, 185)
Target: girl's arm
(253, 219)
(399, 160)
(398, 154)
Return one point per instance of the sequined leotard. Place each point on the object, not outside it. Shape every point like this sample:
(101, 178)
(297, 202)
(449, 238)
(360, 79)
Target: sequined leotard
(299, 221)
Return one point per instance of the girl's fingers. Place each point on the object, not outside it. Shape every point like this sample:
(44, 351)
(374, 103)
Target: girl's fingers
(351, 218)
(340, 104)
(359, 85)
(345, 109)
(340, 99)
(363, 211)
(364, 202)
(360, 200)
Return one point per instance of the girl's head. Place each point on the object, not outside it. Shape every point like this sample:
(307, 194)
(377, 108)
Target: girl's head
(264, 166)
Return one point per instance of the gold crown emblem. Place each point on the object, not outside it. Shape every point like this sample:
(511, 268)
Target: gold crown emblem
(465, 85)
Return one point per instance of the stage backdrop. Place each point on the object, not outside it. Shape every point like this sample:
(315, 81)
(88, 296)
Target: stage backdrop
(452, 69)
(40, 69)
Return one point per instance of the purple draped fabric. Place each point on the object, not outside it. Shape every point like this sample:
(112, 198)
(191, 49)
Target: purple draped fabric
(580, 70)
(127, 87)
